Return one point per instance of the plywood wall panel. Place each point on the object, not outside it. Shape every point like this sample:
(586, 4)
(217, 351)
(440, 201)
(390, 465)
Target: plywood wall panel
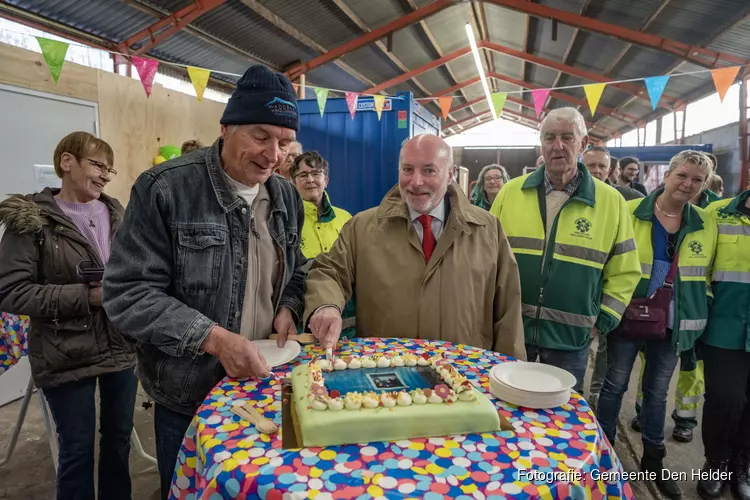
(27, 69)
(136, 126)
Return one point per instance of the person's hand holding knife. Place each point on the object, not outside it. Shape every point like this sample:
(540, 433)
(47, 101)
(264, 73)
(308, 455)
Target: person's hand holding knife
(325, 324)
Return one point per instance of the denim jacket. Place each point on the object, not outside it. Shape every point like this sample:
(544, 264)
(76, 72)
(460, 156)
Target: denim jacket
(179, 265)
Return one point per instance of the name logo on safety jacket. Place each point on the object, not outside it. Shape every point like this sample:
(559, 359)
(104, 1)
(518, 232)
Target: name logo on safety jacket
(696, 247)
(583, 227)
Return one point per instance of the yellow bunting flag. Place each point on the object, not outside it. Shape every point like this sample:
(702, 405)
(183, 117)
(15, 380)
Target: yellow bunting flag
(723, 79)
(445, 105)
(54, 55)
(379, 104)
(498, 101)
(199, 77)
(593, 94)
(322, 95)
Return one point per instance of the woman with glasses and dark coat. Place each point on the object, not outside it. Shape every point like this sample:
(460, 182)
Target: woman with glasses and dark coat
(52, 254)
(489, 182)
(669, 231)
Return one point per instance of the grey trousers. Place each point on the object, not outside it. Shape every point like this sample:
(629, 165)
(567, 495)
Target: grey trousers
(600, 370)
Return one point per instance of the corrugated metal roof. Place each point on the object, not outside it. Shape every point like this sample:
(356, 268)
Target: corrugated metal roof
(237, 25)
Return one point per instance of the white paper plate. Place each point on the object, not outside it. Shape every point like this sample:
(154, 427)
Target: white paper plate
(274, 355)
(528, 399)
(533, 377)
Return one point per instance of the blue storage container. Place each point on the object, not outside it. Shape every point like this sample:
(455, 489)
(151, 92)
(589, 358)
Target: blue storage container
(657, 154)
(362, 153)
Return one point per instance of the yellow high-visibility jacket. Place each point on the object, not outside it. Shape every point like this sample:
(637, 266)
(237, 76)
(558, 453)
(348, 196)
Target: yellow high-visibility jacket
(589, 270)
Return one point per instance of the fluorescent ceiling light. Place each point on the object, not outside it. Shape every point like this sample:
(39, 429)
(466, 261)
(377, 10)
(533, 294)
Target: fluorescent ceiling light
(480, 68)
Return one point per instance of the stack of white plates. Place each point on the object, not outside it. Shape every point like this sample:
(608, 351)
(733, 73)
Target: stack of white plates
(532, 385)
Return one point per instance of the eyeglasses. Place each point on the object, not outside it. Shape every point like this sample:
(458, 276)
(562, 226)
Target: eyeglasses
(104, 169)
(318, 174)
(495, 178)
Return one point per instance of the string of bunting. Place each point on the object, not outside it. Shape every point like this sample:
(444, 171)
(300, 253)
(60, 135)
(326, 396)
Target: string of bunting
(54, 53)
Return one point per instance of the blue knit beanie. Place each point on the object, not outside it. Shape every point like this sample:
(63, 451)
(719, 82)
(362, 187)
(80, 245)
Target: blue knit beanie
(262, 97)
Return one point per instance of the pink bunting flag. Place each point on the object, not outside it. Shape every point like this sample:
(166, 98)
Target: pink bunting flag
(146, 71)
(540, 98)
(351, 102)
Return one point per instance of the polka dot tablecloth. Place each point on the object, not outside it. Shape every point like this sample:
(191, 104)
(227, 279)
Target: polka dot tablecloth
(224, 457)
(13, 335)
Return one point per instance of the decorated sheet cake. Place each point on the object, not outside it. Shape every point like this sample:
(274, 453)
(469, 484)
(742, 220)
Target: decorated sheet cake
(386, 398)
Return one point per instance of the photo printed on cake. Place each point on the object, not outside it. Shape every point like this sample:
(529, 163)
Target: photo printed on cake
(382, 379)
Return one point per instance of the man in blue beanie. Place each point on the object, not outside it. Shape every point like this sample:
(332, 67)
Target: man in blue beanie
(208, 259)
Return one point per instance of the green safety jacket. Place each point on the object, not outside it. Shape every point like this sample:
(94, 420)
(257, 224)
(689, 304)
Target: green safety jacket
(729, 317)
(696, 243)
(584, 274)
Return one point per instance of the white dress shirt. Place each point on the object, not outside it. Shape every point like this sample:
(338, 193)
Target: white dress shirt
(438, 221)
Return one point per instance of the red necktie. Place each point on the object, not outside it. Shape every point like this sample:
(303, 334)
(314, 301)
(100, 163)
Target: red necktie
(428, 239)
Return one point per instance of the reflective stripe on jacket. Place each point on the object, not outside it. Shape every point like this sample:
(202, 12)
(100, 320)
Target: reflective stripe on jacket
(590, 268)
(729, 318)
(696, 243)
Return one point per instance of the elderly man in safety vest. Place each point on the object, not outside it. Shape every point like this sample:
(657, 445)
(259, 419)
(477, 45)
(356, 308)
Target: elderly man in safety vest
(573, 240)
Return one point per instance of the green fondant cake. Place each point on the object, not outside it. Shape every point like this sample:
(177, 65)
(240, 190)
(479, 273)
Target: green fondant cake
(386, 398)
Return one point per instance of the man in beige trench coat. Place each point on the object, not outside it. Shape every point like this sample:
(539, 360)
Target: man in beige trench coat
(424, 264)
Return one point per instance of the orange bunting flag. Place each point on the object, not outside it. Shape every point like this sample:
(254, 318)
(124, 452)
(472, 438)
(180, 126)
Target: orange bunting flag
(445, 105)
(723, 79)
(593, 94)
(199, 77)
(379, 104)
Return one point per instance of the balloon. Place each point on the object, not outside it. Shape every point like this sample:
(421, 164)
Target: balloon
(169, 152)
(158, 160)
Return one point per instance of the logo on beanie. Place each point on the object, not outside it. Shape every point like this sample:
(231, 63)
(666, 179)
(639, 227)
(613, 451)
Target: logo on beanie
(280, 107)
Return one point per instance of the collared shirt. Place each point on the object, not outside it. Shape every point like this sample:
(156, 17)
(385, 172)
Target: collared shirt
(438, 221)
(570, 188)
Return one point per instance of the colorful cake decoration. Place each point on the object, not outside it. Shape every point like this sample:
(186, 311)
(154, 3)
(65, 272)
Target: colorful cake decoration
(455, 387)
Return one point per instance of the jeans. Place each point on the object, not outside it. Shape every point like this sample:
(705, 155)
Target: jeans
(661, 360)
(573, 361)
(726, 412)
(600, 370)
(169, 427)
(73, 407)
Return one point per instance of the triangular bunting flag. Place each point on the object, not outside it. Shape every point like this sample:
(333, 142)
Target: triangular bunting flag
(723, 79)
(379, 104)
(54, 55)
(322, 95)
(351, 102)
(593, 94)
(498, 101)
(445, 105)
(540, 99)
(655, 86)
(199, 77)
(146, 71)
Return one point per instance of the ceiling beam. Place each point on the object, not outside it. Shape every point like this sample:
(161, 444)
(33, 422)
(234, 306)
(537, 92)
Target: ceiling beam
(204, 36)
(151, 36)
(353, 17)
(300, 37)
(706, 58)
(569, 48)
(668, 102)
(418, 71)
(478, 24)
(368, 38)
(422, 25)
(458, 86)
(741, 16)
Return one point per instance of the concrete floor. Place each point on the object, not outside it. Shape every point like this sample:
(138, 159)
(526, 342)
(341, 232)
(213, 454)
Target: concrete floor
(31, 476)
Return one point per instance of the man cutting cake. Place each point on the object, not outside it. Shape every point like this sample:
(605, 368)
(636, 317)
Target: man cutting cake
(424, 264)
(208, 259)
